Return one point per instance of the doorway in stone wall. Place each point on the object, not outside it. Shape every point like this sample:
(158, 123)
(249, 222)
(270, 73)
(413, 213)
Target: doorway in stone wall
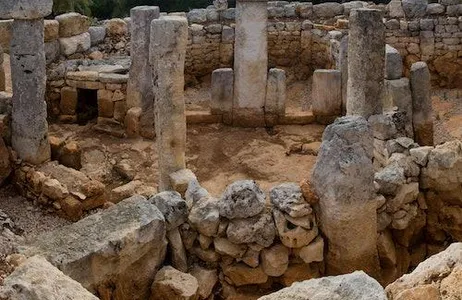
(87, 105)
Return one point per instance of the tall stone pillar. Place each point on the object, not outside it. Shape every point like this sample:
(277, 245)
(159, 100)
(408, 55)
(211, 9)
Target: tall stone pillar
(140, 92)
(169, 37)
(28, 74)
(343, 179)
(327, 95)
(422, 112)
(250, 63)
(366, 59)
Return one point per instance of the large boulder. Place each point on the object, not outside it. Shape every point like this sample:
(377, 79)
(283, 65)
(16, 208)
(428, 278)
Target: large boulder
(37, 279)
(438, 277)
(115, 252)
(354, 286)
(343, 178)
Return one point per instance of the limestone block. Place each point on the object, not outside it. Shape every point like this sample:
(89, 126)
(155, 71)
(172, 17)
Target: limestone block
(398, 95)
(365, 77)
(37, 279)
(180, 180)
(28, 64)
(393, 63)
(288, 197)
(116, 250)
(222, 93)
(395, 9)
(275, 103)
(51, 30)
(206, 279)
(259, 229)
(355, 286)
(197, 16)
(250, 63)
(227, 34)
(347, 213)
(172, 206)
(105, 104)
(5, 34)
(422, 115)
(75, 44)
(25, 9)
(132, 121)
(313, 252)
(169, 37)
(240, 274)
(173, 284)
(293, 235)
(68, 103)
(327, 93)
(177, 250)
(275, 260)
(116, 27)
(435, 9)
(242, 199)
(204, 216)
(224, 247)
(349, 6)
(97, 34)
(71, 24)
(327, 10)
(414, 8)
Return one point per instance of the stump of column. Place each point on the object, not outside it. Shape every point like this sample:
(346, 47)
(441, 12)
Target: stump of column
(327, 95)
(343, 179)
(140, 91)
(169, 37)
(222, 94)
(422, 112)
(28, 73)
(250, 63)
(275, 104)
(366, 56)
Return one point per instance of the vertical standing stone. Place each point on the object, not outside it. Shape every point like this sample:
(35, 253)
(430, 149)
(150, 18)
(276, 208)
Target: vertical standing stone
(28, 74)
(222, 94)
(275, 104)
(398, 95)
(366, 55)
(343, 67)
(393, 63)
(169, 37)
(343, 179)
(327, 95)
(140, 91)
(2, 72)
(250, 63)
(422, 115)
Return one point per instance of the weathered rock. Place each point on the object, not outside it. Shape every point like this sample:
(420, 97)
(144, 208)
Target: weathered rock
(172, 206)
(97, 34)
(354, 286)
(398, 94)
(240, 274)
(169, 37)
(420, 155)
(297, 272)
(242, 199)
(275, 260)
(259, 229)
(222, 93)
(327, 93)
(75, 44)
(365, 78)
(71, 24)
(225, 247)
(313, 252)
(389, 179)
(206, 279)
(204, 216)
(327, 10)
(25, 9)
(117, 249)
(438, 275)
(343, 178)
(195, 192)
(173, 284)
(180, 180)
(395, 9)
(116, 27)
(177, 250)
(292, 235)
(288, 198)
(414, 8)
(51, 32)
(383, 127)
(393, 63)
(37, 279)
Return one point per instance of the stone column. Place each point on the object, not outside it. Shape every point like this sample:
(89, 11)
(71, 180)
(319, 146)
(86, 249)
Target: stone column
(169, 37)
(366, 56)
(275, 104)
(222, 94)
(140, 91)
(250, 63)
(422, 112)
(2, 72)
(327, 95)
(28, 74)
(343, 179)
(343, 67)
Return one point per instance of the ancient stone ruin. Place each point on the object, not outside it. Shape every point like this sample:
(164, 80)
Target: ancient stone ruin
(119, 126)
